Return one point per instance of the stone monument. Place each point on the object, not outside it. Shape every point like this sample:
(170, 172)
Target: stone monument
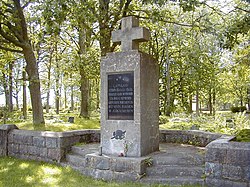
(129, 95)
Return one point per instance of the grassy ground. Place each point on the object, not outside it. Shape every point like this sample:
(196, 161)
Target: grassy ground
(222, 122)
(57, 123)
(21, 173)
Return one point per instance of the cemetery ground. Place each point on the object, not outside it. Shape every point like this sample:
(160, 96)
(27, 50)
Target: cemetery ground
(17, 172)
(224, 122)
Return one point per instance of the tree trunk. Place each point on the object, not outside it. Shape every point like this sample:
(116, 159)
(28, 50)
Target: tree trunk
(34, 86)
(190, 110)
(57, 86)
(24, 96)
(197, 101)
(97, 95)
(72, 98)
(72, 94)
(84, 111)
(214, 101)
(18, 36)
(57, 95)
(84, 95)
(6, 90)
(48, 83)
(105, 32)
(11, 87)
(210, 104)
(65, 97)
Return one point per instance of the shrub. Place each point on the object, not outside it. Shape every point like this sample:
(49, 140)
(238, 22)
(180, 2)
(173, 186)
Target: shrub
(163, 119)
(238, 109)
(243, 136)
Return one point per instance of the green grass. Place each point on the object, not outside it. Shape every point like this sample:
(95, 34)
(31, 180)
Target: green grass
(22, 173)
(57, 123)
(243, 136)
(53, 125)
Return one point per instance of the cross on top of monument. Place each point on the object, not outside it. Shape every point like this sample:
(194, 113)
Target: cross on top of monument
(130, 34)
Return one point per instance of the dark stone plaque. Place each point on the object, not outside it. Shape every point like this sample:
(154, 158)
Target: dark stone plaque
(121, 96)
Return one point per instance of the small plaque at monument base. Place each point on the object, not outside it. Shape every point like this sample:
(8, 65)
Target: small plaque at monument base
(121, 96)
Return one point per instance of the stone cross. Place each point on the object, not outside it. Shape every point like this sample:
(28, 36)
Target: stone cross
(130, 34)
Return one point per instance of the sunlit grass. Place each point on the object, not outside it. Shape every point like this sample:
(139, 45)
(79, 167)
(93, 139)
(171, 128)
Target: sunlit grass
(59, 123)
(21, 173)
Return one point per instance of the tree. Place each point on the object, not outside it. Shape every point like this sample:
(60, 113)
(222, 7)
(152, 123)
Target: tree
(14, 30)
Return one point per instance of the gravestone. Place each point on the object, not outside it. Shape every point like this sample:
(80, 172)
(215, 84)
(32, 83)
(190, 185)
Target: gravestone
(129, 95)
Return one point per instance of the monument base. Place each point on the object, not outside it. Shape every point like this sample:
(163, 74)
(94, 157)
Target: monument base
(115, 168)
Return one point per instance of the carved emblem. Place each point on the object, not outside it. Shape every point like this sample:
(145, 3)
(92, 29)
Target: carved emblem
(119, 135)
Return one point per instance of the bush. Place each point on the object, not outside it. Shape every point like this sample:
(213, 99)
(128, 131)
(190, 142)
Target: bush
(238, 109)
(163, 119)
(243, 136)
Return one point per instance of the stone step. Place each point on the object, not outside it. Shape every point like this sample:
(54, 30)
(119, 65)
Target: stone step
(84, 150)
(75, 160)
(173, 181)
(178, 171)
(178, 160)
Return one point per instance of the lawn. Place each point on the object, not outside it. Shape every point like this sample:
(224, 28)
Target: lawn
(21, 173)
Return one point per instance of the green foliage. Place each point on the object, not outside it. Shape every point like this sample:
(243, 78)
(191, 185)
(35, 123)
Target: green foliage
(163, 119)
(54, 122)
(218, 123)
(238, 109)
(243, 136)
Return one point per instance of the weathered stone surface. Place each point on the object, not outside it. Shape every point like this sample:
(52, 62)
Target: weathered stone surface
(234, 173)
(55, 154)
(23, 149)
(142, 133)
(213, 170)
(130, 34)
(13, 148)
(116, 164)
(23, 139)
(51, 142)
(233, 155)
(227, 163)
(216, 155)
(211, 182)
(8, 127)
(97, 162)
(39, 141)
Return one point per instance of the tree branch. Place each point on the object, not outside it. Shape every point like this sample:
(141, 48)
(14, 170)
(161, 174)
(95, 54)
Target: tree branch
(247, 11)
(22, 20)
(9, 38)
(172, 22)
(11, 50)
(14, 31)
(26, 4)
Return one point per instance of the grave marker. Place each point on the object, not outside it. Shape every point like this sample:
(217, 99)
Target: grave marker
(129, 95)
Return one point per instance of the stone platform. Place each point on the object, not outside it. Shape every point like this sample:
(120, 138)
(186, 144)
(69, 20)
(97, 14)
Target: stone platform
(174, 164)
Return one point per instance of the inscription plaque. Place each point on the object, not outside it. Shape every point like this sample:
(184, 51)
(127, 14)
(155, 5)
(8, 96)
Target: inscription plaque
(121, 96)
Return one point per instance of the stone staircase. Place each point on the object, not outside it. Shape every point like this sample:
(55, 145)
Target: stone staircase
(174, 164)
(76, 158)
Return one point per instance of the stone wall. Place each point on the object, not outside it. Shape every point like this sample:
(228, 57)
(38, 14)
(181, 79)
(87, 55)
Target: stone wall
(42, 145)
(4, 130)
(227, 163)
(192, 137)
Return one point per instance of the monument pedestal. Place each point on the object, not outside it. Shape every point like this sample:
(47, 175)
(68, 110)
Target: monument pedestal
(115, 168)
(129, 107)
(129, 104)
